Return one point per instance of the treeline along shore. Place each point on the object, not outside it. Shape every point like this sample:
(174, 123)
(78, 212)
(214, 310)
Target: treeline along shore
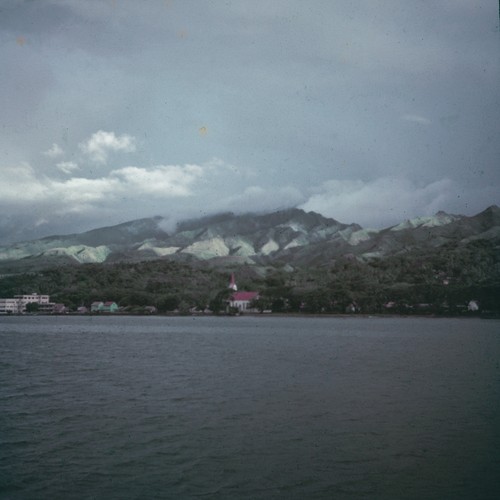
(450, 281)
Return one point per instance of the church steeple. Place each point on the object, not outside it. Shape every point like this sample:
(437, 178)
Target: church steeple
(232, 283)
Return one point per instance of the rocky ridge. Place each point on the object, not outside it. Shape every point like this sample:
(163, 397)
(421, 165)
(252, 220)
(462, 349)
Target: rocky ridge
(289, 237)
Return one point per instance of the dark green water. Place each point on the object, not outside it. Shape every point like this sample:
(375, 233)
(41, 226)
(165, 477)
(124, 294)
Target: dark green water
(131, 407)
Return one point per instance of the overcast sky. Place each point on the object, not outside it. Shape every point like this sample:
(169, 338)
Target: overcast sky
(367, 111)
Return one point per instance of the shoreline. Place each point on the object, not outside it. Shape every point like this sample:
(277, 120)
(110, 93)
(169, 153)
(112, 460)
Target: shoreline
(486, 315)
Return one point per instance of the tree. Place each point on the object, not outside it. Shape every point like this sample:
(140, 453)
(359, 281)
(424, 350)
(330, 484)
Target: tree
(32, 307)
(261, 304)
(219, 302)
(168, 303)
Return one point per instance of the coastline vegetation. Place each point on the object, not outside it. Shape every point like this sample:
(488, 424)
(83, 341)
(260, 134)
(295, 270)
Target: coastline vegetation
(443, 281)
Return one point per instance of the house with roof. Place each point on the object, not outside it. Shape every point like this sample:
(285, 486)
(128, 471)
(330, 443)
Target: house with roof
(96, 306)
(105, 307)
(241, 300)
(59, 309)
(109, 307)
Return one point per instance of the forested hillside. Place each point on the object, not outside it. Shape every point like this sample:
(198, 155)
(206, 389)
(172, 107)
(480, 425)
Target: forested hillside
(442, 280)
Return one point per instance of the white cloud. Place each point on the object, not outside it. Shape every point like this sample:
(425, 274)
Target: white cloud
(101, 143)
(54, 152)
(81, 191)
(20, 185)
(153, 189)
(127, 184)
(67, 166)
(416, 119)
(381, 202)
(162, 180)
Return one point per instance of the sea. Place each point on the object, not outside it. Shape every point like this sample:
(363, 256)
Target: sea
(250, 407)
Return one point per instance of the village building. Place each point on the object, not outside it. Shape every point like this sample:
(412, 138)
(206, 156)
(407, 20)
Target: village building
(103, 307)
(473, 306)
(96, 306)
(9, 306)
(18, 304)
(110, 307)
(59, 309)
(43, 302)
(241, 300)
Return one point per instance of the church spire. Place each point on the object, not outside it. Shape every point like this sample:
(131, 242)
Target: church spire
(232, 283)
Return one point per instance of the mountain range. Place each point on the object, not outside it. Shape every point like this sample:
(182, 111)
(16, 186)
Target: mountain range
(291, 238)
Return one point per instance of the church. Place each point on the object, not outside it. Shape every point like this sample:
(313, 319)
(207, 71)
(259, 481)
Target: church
(241, 300)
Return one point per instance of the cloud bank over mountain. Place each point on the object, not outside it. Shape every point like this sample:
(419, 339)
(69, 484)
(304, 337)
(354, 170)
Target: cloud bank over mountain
(370, 112)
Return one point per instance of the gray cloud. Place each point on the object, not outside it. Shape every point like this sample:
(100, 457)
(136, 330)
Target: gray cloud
(368, 111)
(388, 201)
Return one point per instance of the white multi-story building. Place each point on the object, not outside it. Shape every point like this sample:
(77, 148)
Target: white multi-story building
(17, 305)
(9, 306)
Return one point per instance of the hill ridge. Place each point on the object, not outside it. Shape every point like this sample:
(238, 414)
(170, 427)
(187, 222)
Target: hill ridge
(291, 237)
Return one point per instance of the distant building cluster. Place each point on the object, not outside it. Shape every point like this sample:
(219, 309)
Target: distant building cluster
(236, 302)
(21, 304)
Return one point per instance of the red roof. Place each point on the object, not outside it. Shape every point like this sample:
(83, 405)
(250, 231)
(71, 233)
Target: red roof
(244, 295)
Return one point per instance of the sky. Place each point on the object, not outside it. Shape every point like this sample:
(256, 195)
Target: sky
(368, 111)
